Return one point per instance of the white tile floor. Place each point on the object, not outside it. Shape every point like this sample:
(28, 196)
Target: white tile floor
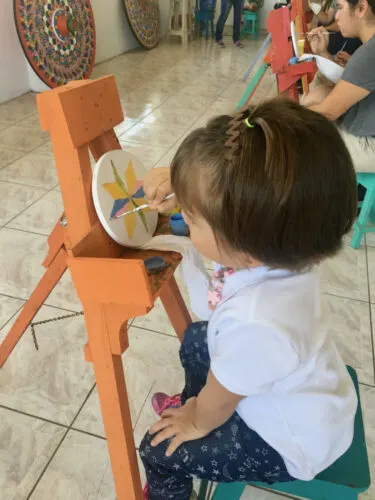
(51, 432)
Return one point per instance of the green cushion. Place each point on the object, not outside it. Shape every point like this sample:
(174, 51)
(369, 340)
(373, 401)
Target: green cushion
(350, 473)
(352, 469)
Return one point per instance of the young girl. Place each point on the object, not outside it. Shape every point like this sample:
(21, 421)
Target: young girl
(351, 102)
(268, 194)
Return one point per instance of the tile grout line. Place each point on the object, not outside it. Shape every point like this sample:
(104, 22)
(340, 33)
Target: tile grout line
(12, 316)
(25, 300)
(27, 208)
(366, 385)
(154, 331)
(22, 183)
(345, 297)
(35, 201)
(37, 417)
(21, 306)
(24, 230)
(59, 444)
(48, 421)
(88, 433)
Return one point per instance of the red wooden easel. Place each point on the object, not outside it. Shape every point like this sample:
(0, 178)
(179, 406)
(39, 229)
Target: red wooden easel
(280, 53)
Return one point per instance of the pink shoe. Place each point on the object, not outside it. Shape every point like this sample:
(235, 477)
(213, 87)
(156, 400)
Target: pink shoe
(145, 492)
(160, 402)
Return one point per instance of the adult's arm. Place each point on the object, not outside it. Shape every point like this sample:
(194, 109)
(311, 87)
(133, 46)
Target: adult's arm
(327, 18)
(357, 82)
(342, 97)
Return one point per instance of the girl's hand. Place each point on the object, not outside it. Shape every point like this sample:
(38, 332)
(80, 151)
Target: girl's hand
(178, 424)
(157, 185)
(318, 39)
(342, 58)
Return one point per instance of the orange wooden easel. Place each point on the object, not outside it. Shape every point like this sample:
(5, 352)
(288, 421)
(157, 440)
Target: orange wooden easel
(111, 281)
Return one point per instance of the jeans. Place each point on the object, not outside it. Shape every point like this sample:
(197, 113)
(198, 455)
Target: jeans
(232, 452)
(226, 6)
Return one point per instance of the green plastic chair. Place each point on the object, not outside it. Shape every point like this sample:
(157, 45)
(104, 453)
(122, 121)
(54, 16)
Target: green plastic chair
(251, 25)
(365, 222)
(344, 480)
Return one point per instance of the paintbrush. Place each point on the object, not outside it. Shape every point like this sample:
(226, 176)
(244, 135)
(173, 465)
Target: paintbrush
(141, 207)
(327, 33)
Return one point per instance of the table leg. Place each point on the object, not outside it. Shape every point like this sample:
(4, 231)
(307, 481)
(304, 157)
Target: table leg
(175, 306)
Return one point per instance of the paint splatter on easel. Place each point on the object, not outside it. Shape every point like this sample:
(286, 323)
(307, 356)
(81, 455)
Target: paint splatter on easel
(124, 201)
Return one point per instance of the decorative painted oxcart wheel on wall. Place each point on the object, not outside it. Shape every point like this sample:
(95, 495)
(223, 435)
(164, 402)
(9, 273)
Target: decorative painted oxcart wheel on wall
(144, 21)
(57, 37)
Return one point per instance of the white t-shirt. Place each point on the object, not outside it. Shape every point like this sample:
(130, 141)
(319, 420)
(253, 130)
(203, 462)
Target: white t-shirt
(268, 341)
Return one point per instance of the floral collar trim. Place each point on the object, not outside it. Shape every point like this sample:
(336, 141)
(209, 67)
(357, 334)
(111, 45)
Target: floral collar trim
(215, 292)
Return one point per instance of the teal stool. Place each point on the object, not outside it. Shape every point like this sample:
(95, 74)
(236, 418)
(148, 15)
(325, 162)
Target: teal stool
(251, 25)
(365, 222)
(344, 480)
(205, 16)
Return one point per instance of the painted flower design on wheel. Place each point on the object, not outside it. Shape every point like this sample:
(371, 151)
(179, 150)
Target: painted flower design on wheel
(127, 195)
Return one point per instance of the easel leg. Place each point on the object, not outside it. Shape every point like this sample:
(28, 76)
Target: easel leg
(45, 286)
(109, 374)
(175, 306)
(253, 85)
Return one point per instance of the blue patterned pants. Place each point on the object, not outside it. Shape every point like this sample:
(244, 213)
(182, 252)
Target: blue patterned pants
(232, 452)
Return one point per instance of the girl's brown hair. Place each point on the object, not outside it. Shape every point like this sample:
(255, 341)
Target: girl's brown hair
(282, 190)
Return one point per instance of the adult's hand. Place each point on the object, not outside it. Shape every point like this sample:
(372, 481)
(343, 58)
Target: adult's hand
(157, 185)
(318, 39)
(342, 58)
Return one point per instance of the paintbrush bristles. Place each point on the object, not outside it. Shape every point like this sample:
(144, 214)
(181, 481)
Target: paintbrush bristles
(138, 209)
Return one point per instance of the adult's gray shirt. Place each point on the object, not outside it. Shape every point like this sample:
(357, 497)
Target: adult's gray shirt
(359, 120)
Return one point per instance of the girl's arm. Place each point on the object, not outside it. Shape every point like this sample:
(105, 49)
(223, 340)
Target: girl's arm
(326, 18)
(215, 404)
(343, 96)
(247, 359)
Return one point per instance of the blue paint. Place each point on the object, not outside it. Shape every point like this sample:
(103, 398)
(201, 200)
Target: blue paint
(178, 225)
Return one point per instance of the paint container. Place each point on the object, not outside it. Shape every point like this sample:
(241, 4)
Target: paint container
(178, 225)
(154, 264)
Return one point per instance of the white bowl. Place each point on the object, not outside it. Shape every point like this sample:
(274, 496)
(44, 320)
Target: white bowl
(328, 68)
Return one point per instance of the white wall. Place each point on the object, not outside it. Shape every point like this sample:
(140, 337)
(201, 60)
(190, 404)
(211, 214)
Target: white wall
(113, 34)
(13, 73)
(268, 5)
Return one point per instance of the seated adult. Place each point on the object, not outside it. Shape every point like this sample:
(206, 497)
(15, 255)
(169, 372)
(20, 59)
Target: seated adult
(338, 45)
(351, 102)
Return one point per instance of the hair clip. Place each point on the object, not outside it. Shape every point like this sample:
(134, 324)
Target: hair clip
(248, 124)
(233, 134)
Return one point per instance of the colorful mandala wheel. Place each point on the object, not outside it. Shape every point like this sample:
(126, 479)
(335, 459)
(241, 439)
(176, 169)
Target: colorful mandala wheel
(144, 21)
(57, 37)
